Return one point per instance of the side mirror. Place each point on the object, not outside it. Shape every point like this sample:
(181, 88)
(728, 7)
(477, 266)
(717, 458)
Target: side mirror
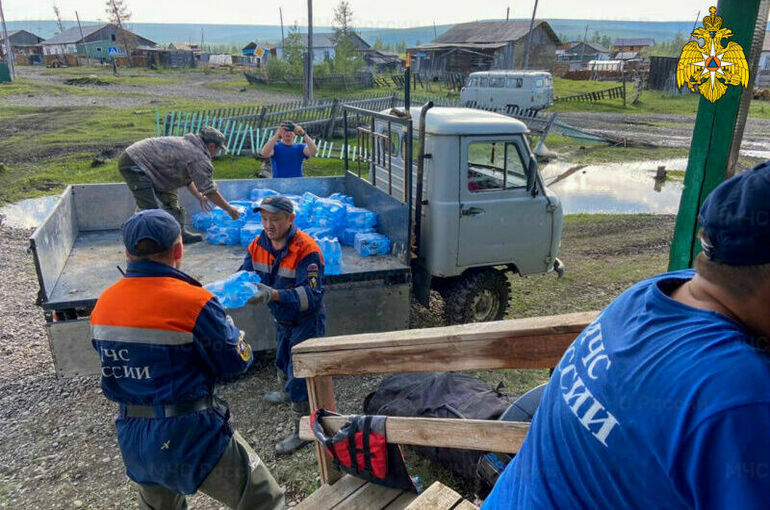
(532, 175)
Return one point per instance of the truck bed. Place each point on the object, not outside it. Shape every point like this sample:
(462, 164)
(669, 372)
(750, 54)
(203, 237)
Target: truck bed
(92, 266)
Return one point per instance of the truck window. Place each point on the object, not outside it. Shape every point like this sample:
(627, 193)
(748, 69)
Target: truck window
(495, 166)
(539, 83)
(473, 82)
(497, 81)
(514, 83)
(483, 81)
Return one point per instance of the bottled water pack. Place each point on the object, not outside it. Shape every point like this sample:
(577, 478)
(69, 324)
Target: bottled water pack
(258, 194)
(348, 236)
(360, 218)
(332, 253)
(249, 232)
(202, 220)
(235, 290)
(230, 236)
(330, 214)
(371, 244)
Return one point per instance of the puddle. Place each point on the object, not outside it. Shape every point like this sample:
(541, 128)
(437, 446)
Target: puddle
(621, 188)
(28, 213)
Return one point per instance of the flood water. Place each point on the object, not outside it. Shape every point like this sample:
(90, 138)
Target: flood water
(28, 213)
(622, 188)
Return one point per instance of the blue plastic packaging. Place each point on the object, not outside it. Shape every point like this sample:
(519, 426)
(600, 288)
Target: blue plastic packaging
(332, 253)
(345, 199)
(222, 219)
(319, 232)
(202, 220)
(348, 236)
(249, 232)
(257, 194)
(329, 214)
(248, 208)
(360, 218)
(230, 236)
(371, 244)
(235, 290)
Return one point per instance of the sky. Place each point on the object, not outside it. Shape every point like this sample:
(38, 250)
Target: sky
(366, 13)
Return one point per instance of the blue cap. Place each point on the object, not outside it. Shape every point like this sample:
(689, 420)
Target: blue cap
(736, 219)
(274, 204)
(154, 224)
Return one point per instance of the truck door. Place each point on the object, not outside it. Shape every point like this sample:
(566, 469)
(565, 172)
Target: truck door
(500, 221)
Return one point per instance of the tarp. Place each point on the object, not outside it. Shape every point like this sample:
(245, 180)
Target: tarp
(220, 60)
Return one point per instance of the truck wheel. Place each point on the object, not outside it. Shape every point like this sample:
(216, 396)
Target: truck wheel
(480, 296)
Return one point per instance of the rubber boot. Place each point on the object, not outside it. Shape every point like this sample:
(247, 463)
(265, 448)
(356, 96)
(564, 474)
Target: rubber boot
(280, 396)
(190, 238)
(292, 443)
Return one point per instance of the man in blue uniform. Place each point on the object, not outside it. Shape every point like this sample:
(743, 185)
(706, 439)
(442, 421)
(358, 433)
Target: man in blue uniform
(163, 341)
(664, 400)
(286, 156)
(290, 265)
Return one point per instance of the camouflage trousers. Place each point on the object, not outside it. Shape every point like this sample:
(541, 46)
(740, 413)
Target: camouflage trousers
(240, 480)
(145, 194)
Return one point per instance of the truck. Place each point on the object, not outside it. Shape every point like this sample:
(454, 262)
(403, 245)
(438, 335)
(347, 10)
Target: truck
(484, 214)
(513, 91)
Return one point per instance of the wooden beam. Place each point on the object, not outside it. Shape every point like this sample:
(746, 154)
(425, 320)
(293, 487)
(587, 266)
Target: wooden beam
(484, 435)
(437, 497)
(327, 496)
(537, 342)
(321, 396)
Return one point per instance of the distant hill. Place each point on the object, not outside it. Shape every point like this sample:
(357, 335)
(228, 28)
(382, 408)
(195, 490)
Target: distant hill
(241, 34)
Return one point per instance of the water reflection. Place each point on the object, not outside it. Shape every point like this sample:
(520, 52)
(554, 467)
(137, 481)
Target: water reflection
(616, 187)
(28, 213)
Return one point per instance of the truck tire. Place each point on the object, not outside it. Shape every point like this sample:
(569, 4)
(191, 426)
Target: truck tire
(479, 296)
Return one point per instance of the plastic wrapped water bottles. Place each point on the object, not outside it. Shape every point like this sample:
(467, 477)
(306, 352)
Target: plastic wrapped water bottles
(248, 208)
(217, 234)
(202, 220)
(222, 219)
(332, 253)
(348, 236)
(360, 218)
(235, 290)
(249, 232)
(345, 199)
(319, 232)
(371, 244)
(330, 214)
(258, 194)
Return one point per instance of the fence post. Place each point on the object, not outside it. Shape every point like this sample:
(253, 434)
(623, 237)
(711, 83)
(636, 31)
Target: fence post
(262, 116)
(332, 119)
(393, 100)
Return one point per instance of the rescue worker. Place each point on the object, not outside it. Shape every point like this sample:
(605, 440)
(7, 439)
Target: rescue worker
(290, 265)
(155, 168)
(163, 341)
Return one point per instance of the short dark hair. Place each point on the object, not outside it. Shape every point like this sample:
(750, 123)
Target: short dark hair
(148, 249)
(739, 281)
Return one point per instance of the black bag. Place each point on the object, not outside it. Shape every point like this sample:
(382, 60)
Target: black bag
(440, 395)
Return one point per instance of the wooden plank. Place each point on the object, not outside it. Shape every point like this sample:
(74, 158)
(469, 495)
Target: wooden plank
(327, 496)
(401, 502)
(523, 343)
(483, 435)
(321, 396)
(437, 497)
(369, 497)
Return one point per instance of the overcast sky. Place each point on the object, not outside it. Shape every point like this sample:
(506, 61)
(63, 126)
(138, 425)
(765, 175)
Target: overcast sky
(382, 13)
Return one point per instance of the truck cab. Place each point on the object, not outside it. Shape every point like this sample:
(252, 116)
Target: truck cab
(484, 213)
(514, 91)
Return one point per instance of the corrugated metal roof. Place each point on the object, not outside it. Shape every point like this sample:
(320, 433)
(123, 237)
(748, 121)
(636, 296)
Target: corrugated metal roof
(72, 35)
(489, 32)
(470, 46)
(595, 46)
(645, 41)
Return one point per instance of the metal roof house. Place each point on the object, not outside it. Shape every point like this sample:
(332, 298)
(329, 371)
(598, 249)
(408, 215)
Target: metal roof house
(95, 41)
(633, 44)
(22, 43)
(582, 52)
(486, 45)
(323, 45)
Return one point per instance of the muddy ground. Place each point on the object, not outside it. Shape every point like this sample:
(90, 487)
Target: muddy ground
(58, 446)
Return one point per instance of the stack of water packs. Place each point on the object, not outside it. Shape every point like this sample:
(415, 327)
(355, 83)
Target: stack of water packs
(331, 221)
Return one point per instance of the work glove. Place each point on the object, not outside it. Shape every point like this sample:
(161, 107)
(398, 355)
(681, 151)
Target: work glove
(263, 296)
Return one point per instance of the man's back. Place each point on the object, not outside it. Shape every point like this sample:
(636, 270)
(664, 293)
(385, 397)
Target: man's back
(655, 405)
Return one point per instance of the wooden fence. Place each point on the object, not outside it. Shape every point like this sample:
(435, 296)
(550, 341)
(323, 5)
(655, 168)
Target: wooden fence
(611, 93)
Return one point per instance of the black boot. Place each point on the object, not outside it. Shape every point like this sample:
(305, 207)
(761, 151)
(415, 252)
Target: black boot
(292, 443)
(190, 238)
(280, 396)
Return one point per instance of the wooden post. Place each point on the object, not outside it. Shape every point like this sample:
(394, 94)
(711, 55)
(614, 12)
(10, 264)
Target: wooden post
(320, 392)
(332, 119)
(717, 126)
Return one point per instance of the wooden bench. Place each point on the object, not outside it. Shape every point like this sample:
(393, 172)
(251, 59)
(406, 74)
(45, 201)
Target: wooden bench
(534, 343)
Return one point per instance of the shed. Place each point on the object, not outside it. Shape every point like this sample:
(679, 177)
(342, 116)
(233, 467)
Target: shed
(638, 44)
(22, 43)
(582, 52)
(96, 41)
(485, 45)
(381, 61)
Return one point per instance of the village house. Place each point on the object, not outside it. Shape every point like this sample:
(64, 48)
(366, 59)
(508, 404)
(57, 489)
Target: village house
(633, 45)
(23, 43)
(323, 45)
(579, 53)
(95, 41)
(487, 45)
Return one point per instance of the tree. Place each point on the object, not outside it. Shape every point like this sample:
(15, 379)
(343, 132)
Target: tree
(294, 52)
(343, 19)
(347, 59)
(117, 12)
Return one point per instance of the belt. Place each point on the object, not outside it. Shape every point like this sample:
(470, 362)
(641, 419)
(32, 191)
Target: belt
(168, 410)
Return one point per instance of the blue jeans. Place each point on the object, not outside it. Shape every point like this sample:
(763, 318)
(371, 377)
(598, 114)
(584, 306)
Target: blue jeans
(289, 336)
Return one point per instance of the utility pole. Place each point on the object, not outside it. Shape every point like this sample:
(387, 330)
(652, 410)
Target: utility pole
(508, 13)
(435, 34)
(201, 40)
(8, 52)
(82, 38)
(309, 57)
(529, 37)
(283, 41)
(583, 53)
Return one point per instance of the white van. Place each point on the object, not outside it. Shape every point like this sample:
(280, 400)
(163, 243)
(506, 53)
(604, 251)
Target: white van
(516, 91)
